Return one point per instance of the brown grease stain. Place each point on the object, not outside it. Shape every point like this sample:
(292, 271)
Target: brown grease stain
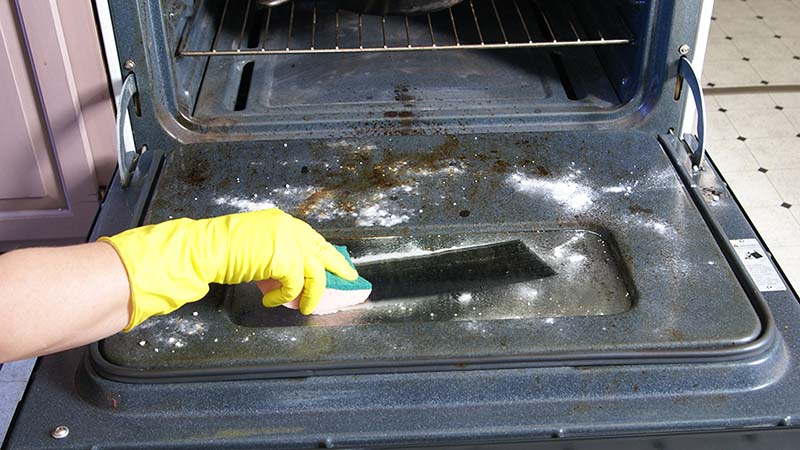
(358, 175)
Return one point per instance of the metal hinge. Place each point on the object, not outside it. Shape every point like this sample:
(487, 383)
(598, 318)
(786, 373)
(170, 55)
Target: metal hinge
(127, 160)
(695, 144)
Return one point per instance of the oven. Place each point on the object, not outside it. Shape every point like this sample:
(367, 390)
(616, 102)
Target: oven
(557, 124)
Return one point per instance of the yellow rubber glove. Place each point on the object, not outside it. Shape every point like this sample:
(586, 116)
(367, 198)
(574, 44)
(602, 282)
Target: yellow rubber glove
(172, 263)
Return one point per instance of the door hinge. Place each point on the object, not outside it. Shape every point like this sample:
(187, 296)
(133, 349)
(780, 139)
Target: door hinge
(695, 144)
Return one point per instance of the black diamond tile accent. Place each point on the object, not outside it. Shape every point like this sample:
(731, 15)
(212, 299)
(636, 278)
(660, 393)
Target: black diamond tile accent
(741, 138)
(786, 205)
(777, 36)
(779, 107)
(745, 58)
(762, 170)
(764, 82)
(722, 110)
(760, 17)
(713, 18)
(796, 57)
(729, 38)
(710, 84)
(798, 135)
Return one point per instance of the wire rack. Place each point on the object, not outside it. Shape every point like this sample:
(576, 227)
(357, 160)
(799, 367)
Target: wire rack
(242, 27)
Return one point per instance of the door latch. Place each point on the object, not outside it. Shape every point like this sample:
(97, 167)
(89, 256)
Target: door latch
(694, 144)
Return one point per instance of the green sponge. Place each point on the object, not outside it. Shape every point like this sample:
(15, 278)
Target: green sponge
(334, 282)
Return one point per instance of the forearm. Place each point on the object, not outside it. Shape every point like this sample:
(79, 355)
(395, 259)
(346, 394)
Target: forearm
(53, 299)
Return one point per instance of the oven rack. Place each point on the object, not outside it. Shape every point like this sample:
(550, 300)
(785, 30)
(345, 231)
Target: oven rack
(245, 28)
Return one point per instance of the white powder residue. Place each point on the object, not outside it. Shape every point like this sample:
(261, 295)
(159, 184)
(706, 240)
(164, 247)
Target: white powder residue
(618, 189)
(574, 196)
(576, 258)
(380, 214)
(464, 297)
(570, 260)
(294, 194)
(244, 204)
(550, 321)
(662, 228)
(172, 331)
(561, 250)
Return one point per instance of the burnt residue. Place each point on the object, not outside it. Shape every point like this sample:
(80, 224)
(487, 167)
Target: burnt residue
(196, 171)
(361, 175)
(501, 167)
(677, 335)
(401, 94)
(464, 213)
(542, 171)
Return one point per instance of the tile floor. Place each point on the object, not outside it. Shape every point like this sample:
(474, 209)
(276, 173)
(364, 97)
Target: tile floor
(753, 43)
(754, 132)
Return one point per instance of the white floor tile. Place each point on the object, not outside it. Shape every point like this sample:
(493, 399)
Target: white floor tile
(711, 103)
(731, 155)
(762, 48)
(774, 8)
(776, 153)
(761, 123)
(785, 26)
(788, 100)
(733, 9)
(792, 44)
(718, 127)
(744, 101)
(776, 225)
(778, 71)
(722, 48)
(793, 114)
(788, 258)
(715, 32)
(787, 183)
(752, 189)
(731, 72)
(744, 27)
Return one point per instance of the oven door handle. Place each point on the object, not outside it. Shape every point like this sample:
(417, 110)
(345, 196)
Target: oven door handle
(126, 160)
(696, 145)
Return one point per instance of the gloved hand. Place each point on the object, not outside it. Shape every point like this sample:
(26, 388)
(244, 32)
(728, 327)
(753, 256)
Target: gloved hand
(172, 263)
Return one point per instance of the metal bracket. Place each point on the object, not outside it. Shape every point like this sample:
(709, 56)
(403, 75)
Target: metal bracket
(125, 166)
(696, 145)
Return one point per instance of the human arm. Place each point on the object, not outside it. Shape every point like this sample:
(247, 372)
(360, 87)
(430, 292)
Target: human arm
(158, 268)
(53, 299)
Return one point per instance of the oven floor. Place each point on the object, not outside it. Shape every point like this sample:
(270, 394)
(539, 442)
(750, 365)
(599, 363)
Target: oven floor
(648, 274)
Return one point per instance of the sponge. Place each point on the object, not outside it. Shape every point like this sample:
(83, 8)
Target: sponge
(339, 293)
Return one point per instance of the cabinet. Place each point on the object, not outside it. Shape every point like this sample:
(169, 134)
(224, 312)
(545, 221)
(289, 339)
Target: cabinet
(56, 131)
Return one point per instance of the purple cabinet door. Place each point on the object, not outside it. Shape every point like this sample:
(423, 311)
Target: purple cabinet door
(57, 124)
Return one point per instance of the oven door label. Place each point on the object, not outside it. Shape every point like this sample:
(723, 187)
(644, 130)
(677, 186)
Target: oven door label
(758, 264)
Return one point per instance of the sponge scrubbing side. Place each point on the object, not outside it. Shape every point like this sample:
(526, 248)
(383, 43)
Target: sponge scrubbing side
(339, 293)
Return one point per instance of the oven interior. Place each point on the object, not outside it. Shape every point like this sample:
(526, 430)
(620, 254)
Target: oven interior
(311, 64)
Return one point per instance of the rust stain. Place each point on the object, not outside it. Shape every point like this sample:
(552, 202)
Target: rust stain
(676, 335)
(582, 408)
(358, 176)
